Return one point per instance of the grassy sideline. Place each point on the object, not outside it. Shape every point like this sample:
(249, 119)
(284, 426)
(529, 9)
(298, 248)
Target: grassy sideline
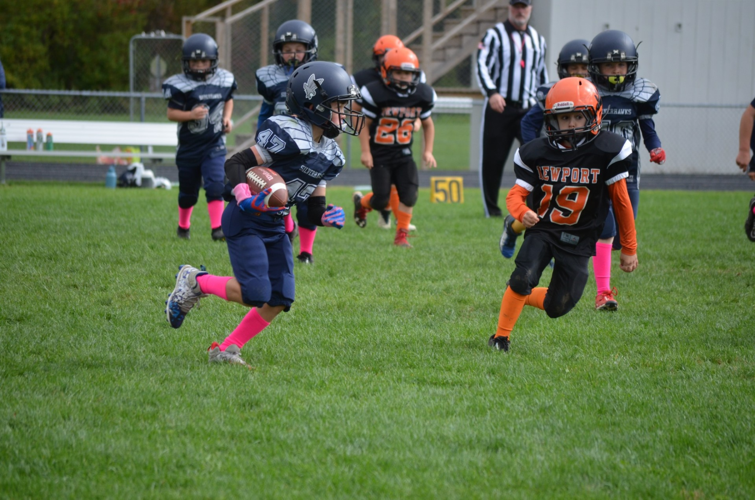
(378, 383)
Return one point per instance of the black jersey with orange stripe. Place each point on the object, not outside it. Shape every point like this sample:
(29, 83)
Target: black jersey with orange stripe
(569, 188)
(393, 115)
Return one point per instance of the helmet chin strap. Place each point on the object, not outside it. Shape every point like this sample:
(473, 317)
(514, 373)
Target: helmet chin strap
(331, 132)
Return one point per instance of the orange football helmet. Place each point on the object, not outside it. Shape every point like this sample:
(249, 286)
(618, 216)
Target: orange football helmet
(571, 95)
(402, 59)
(383, 45)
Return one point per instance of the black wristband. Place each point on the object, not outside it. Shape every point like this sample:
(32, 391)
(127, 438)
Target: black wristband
(317, 207)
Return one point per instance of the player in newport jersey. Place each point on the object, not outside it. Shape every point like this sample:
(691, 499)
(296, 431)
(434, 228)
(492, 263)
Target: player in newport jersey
(301, 148)
(391, 107)
(572, 61)
(201, 101)
(570, 175)
(295, 44)
(373, 74)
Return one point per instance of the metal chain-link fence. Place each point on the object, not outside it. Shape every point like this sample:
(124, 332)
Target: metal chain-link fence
(698, 138)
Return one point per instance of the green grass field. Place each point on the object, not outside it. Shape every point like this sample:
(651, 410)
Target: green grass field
(379, 382)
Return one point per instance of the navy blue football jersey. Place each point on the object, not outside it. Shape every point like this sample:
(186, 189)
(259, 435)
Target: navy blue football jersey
(205, 136)
(272, 81)
(623, 110)
(393, 115)
(286, 146)
(569, 188)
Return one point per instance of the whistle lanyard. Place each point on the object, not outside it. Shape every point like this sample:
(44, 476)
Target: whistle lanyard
(521, 48)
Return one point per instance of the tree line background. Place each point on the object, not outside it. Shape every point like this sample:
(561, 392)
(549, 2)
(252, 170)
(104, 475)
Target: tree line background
(80, 44)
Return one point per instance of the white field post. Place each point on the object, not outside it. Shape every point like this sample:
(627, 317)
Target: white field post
(427, 39)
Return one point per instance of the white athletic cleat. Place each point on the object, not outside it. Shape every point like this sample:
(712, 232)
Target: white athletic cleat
(185, 295)
(232, 354)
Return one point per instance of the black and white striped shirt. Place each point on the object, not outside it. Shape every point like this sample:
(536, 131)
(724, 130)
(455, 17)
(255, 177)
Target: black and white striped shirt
(511, 63)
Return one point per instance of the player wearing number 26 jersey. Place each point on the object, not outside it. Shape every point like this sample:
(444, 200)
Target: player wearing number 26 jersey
(571, 175)
(391, 107)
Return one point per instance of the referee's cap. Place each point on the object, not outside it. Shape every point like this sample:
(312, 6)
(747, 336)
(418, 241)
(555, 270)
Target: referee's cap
(525, 2)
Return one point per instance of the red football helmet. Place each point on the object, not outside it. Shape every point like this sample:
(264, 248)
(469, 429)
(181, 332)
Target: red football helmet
(401, 59)
(571, 95)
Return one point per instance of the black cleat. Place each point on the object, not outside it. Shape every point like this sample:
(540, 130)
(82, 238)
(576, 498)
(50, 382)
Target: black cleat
(360, 213)
(305, 258)
(750, 222)
(183, 233)
(499, 343)
(217, 234)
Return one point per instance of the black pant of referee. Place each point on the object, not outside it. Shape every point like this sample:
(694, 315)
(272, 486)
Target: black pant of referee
(498, 133)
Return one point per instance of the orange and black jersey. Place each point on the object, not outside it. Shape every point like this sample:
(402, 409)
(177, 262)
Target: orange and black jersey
(571, 189)
(393, 116)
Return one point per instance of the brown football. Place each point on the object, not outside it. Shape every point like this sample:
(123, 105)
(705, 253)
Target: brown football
(261, 178)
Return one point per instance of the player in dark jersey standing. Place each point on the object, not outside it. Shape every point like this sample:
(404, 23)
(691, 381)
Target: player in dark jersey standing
(391, 107)
(571, 174)
(369, 75)
(201, 101)
(301, 148)
(295, 44)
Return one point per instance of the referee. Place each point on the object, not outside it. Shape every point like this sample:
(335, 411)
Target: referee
(510, 68)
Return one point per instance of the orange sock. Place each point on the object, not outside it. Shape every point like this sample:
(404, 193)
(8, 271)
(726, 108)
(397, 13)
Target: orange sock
(537, 297)
(393, 203)
(511, 307)
(366, 201)
(404, 219)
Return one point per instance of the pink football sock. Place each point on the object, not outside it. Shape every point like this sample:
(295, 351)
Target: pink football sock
(251, 325)
(214, 285)
(601, 266)
(184, 217)
(215, 209)
(289, 222)
(307, 239)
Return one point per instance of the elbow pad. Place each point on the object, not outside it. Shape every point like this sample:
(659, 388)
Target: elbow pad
(237, 165)
(317, 207)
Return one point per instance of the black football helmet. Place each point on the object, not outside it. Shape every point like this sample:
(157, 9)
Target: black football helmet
(314, 87)
(295, 31)
(612, 46)
(200, 46)
(574, 52)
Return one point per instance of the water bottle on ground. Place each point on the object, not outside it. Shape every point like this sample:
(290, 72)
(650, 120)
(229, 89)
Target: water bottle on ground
(3, 138)
(29, 139)
(48, 142)
(110, 178)
(40, 144)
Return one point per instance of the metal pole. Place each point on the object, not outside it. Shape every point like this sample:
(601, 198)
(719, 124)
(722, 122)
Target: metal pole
(143, 107)
(340, 32)
(349, 35)
(264, 35)
(475, 125)
(427, 40)
(304, 11)
(131, 76)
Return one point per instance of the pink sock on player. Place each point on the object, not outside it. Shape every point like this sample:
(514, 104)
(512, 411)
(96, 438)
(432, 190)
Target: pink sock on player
(184, 217)
(214, 285)
(251, 325)
(215, 209)
(307, 239)
(289, 222)
(601, 266)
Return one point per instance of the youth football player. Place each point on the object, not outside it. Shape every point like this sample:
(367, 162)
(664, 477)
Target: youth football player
(295, 44)
(746, 162)
(373, 74)
(391, 107)
(572, 61)
(201, 101)
(571, 174)
(301, 148)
